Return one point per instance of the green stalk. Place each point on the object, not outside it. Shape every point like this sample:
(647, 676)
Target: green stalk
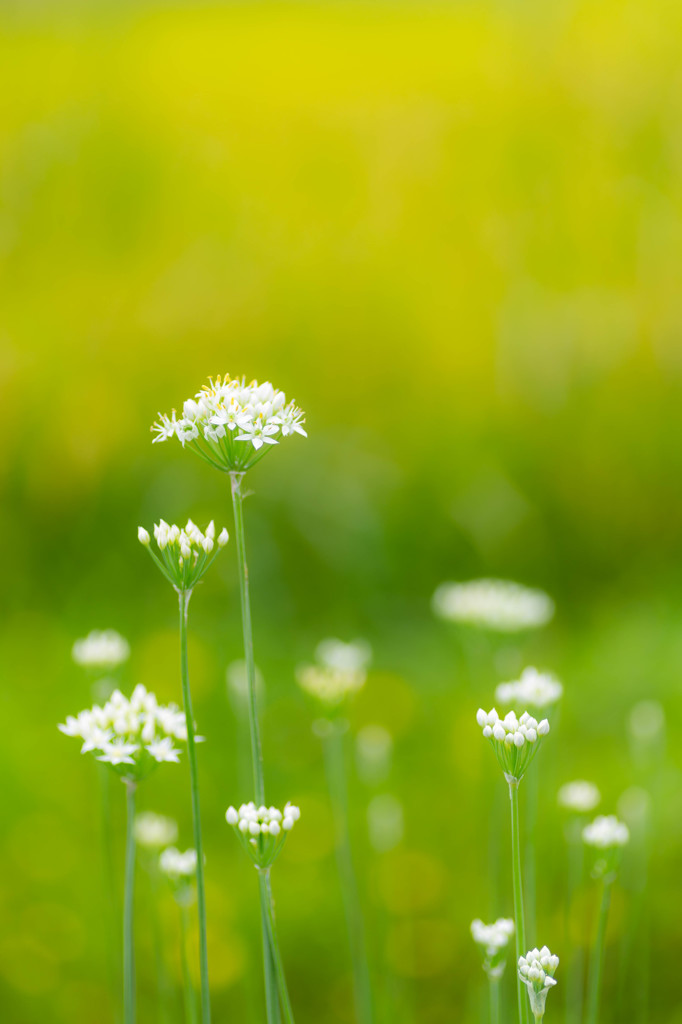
(597, 960)
(494, 999)
(336, 780)
(111, 891)
(519, 920)
(128, 904)
(269, 967)
(188, 991)
(184, 597)
(574, 974)
(157, 938)
(269, 917)
(532, 791)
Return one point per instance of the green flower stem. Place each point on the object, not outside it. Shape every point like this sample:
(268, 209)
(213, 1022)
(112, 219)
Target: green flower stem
(575, 965)
(494, 989)
(157, 938)
(597, 960)
(333, 742)
(532, 791)
(271, 979)
(128, 904)
(269, 916)
(188, 990)
(184, 597)
(111, 890)
(519, 919)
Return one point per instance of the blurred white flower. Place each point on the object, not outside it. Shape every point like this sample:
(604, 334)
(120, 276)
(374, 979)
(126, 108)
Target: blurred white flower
(606, 832)
(103, 649)
(351, 657)
(185, 554)
(341, 671)
(493, 940)
(493, 604)
(262, 830)
(534, 689)
(386, 822)
(514, 740)
(154, 831)
(374, 746)
(579, 796)
(178, 866)
(647, 720)
(536, 970)
(136, 732)
(231, 424)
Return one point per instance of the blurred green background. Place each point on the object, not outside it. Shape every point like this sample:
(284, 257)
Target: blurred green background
(452, 232)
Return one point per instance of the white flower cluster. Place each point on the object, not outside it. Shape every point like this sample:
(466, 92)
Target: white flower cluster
(536, 970)
(493, 604)
(493, 939)
(606, 832)
(262, 830)
(185, 553)
(580, 797)
(178, 866)
(341, 671)
(132, 735)
(514, 740)
(231, 424)
(534, 689)
(154, 831)
(101, 649)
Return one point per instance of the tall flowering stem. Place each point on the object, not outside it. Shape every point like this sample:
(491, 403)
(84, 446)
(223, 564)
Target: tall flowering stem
(128, 907)
(518, 893)
(183, 601)
(597, 959)
(333, 745)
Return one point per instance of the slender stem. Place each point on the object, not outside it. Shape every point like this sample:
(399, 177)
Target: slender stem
(184, 597)
(256, 751)
(597, 960)
(573, 988)
(157, 938)
(532, 792)
(269, 966)
(336, 781)
(518, 897)
(128, 904)
(188, 990)
(269, 914)
(111, 891)
(494, 999)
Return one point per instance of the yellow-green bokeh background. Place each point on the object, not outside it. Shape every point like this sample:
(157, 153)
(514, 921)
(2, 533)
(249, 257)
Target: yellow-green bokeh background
(451, 231)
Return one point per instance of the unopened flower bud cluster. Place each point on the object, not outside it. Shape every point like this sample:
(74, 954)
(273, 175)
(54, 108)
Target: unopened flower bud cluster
(536, 970)
(103, 649)
(231, 424)
(132, 735)
(534, 689)
(497, 605)
(493, 939)
(514, 740)
(184, 553)
(262, 829)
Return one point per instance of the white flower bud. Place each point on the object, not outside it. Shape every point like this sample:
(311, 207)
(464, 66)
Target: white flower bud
(231, 816)
(543, 727)
(143, 536)
(223, 538)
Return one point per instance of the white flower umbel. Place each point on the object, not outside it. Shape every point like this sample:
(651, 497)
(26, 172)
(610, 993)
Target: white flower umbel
(496, 605)
(606, 832)
(262, 830)
(231, 424)
(536, 970)
(533, 689)
(178, 866)
(346, 657)
(185, 553)
(493, 940)
(340, 671)
(101, 649)
(515, 741)
(155, 831)
(131, 735)
(579, 797)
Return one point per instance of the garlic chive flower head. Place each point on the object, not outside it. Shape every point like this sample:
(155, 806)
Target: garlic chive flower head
(101, 650)
(514, 740)
(185, 554)
(534, 689)
(176, 865)
(155, 831)
(496, 605)
(132, 735)
(537, 969)
(232, 424)
(493, 940)
(607, 836)
(341, 671)
(262, 830)
(579, 797)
